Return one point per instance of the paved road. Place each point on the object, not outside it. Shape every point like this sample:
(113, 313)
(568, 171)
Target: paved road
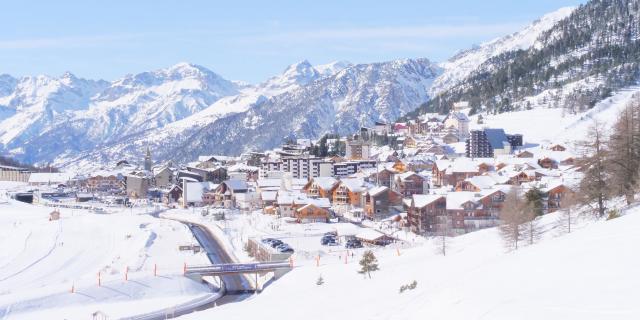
(234, 283)
(238, 287)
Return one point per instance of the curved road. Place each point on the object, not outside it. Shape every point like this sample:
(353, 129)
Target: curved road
(234, 283)
(237, 286)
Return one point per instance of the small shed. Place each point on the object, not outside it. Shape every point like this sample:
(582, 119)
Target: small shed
(54, 215)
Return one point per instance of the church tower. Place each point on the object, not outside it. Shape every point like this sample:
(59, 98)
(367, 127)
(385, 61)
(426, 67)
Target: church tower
(147, 160)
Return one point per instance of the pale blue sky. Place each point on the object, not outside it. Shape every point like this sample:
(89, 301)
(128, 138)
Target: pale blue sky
(244, 40)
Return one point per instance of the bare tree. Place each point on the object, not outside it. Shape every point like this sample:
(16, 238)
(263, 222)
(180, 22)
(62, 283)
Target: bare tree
(566, 218)
(442, 233)
(511, 218)
(624, 148)
(531, 226)
(593, 187)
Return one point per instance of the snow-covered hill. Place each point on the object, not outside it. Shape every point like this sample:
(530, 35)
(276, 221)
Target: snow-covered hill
(458, 67)
(587, 274)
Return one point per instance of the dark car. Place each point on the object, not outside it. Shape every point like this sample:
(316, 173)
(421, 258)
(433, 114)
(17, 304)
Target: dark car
(275, 243)
(267, 240)
(352, 244)
(286, 250)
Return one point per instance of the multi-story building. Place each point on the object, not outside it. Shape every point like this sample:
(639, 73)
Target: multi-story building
(300, 167)
(357, 149)
(343, 169)
(489, 142)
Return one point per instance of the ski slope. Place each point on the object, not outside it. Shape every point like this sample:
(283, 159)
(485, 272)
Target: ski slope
(41, 260)
(588, 274)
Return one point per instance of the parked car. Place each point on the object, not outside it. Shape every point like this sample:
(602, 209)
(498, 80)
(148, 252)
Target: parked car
(267, 240)
(326, 239)
(353, 243)
(275, 243)
(286, 250)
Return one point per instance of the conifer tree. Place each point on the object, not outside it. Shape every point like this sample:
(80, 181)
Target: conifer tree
(368, 263)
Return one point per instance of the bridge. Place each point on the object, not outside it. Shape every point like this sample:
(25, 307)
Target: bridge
(279, 267)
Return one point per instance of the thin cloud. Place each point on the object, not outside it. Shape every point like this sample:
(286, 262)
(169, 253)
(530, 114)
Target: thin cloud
(67, 41)
(376, 33)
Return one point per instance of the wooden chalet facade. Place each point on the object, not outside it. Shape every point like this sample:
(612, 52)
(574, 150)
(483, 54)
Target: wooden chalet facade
(379, 201)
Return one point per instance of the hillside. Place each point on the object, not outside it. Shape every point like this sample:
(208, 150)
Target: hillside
(565, 276)
(573, 65)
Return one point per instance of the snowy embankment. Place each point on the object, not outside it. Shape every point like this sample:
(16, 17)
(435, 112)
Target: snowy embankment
(41, 261)
(587, 274)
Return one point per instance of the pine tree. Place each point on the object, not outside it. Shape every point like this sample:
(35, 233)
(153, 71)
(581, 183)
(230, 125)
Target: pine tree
(534, 199)
(368, 263)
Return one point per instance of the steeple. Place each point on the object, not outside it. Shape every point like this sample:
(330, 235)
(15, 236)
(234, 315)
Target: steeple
(147, 160)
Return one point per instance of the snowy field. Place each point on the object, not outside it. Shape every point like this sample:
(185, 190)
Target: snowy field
(42, 260)
(544, 125)
(588, 274)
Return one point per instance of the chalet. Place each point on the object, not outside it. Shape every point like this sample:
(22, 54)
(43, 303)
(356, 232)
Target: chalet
(450, 138)
(476, 184)
(268, 199)
(383, 177)
(410, 183)
(228, 191)
(311, 212)
(379, 201)
(215, 174)
(399, 166)
(409, 142)
(548, 163)
(171, 194)
(349, 192)
(321, 187)
(525, 154)
(424, 211)
(450, 172)
(557, 147)
(555, 193)
(104, 181)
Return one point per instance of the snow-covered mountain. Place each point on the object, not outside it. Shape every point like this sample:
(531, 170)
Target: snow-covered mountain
(304, 101)
(461, 65)
(42, 117)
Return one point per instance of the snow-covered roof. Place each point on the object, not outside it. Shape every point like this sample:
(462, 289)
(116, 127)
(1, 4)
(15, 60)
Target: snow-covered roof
(377, 190)
(196, 189)
(236, 185)
(269, 195)
(482, 182)
(354, 184)
(326, 183)
(456, 199)
(242, 167)
(421, 200)
(50, 177)
(369, 234)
